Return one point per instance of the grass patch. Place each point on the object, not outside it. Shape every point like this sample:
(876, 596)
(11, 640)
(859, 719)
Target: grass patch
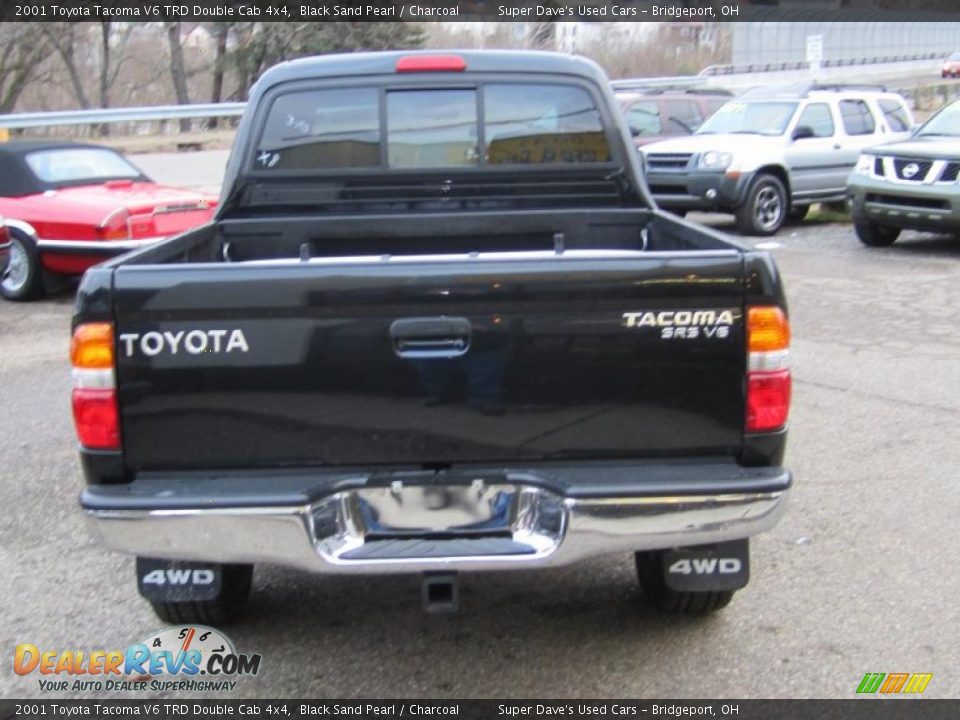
(829, 213)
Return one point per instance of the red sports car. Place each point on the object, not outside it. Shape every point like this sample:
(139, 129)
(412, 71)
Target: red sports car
(69, 206)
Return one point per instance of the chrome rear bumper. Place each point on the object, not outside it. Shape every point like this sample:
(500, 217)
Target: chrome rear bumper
(397, 529)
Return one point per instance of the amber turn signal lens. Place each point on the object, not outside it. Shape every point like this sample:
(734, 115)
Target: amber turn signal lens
(92, 346)
(767, 329)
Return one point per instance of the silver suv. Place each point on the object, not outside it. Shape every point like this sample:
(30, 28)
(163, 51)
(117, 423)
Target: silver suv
(771, 153)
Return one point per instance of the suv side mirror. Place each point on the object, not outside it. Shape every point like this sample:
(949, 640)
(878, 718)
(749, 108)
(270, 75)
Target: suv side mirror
(802, 132)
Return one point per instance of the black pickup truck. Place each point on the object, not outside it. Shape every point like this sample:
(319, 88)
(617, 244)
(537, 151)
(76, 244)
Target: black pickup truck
(436, 326)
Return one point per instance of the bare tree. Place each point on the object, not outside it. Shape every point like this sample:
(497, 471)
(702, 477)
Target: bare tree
(22, 50)
(221, 33)
(257, 46)
(178, 70)
(83, 55)
(63, 39)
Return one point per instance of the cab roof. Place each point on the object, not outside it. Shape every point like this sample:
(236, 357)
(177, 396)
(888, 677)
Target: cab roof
(385, 63)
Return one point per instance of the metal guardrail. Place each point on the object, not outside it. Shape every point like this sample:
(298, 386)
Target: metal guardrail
(22, 121)
(657, 82)
(716, 70)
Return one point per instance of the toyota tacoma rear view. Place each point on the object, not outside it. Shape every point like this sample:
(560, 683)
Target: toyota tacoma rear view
(437, 325)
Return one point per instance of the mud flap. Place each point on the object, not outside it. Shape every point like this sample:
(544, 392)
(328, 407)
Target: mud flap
(178, 581)
(706, 568)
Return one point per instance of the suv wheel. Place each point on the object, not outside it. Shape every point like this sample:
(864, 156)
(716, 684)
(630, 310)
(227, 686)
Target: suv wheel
(665, 599)
(875, 235)
(765, 207)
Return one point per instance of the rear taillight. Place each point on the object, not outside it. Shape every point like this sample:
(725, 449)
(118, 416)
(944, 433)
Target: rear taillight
(431, 63)
(115, 226)
(95, 412)
(768, 372)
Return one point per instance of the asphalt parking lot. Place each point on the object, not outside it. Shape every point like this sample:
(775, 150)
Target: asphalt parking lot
(860, 576)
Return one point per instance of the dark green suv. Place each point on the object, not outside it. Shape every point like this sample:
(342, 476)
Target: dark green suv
(913, 184)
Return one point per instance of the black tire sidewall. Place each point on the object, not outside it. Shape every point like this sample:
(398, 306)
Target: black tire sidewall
(873, 235)
(31, 287)
(746, 213)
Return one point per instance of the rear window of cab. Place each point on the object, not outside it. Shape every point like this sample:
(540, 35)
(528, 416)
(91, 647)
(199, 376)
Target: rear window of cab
(431, 128)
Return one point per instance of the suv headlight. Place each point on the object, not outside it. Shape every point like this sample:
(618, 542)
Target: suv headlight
(713, 160)
(864, 164)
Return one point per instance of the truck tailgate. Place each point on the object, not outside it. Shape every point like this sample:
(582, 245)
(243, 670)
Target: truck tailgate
(428, 362)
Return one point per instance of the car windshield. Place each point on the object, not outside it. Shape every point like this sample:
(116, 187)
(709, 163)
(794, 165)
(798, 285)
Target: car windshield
(754, 118)
(76, 165)
(944, 123)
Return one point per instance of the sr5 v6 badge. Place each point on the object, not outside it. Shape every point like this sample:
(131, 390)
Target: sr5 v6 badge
(684, 324)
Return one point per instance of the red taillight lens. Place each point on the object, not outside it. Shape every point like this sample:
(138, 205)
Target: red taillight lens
(768, 400)
(115, 227)
(431, 63)
(96, 417)
(768, 374)
(95, 411)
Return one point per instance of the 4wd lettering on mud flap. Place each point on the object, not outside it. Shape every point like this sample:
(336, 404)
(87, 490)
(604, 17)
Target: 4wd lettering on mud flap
(706, 566)
(194, 342)
(179, 576)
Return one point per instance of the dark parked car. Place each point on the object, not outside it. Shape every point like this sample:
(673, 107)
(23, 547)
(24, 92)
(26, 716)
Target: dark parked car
(951, 66)
(911, 184)
(654, 114)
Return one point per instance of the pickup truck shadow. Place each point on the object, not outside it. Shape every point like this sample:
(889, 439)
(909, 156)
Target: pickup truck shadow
(515, 632)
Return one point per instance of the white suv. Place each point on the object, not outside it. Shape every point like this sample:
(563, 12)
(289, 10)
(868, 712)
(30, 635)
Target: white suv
(769, 154)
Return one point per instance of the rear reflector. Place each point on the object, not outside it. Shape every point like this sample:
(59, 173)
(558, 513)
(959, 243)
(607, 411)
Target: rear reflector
(768, 329)
(96, 418)
(768, 369)
(92, 346)
(431, 63)
(95, 412)
(768, 400)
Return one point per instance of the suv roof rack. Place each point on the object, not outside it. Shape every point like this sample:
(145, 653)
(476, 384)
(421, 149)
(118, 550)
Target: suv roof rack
(651, 82)
(663, 90)
(803, 89)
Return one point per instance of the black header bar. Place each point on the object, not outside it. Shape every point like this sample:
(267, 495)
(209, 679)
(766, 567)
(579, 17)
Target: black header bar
(472, 11)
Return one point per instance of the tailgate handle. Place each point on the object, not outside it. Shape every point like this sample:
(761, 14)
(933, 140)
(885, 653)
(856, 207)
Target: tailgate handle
(430, 338)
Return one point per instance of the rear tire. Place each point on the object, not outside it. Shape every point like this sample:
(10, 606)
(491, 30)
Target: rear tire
(224, 609)
(875, 235)
(665, 599)
(764, 209)
(22, 278)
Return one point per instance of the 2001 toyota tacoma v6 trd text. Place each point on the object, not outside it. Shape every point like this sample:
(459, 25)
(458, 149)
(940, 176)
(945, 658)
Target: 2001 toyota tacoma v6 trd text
(436, 325)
